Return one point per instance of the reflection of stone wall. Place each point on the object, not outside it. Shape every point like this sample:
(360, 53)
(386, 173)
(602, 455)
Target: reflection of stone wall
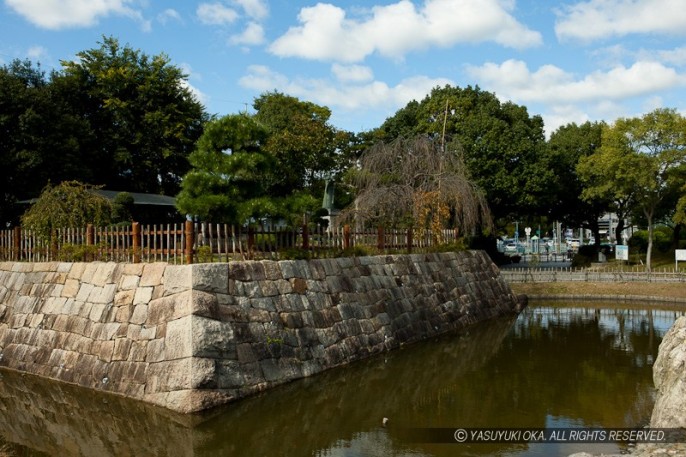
(191, 337)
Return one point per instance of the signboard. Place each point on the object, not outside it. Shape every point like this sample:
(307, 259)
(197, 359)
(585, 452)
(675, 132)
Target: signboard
(679, 255)
(622, 252)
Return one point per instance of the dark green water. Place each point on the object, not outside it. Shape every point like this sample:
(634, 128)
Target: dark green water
(554, 366)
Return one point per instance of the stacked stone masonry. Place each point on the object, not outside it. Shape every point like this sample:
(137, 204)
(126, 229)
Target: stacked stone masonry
(195, 336)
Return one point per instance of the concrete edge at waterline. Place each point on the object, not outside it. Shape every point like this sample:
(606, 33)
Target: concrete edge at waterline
(607, 297)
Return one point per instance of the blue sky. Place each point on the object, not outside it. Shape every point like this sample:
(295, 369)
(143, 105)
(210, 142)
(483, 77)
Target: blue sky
(569, 61)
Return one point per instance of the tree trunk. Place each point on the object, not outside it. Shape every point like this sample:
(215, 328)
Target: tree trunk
(676, 234)
(619, 229)
(649, 218)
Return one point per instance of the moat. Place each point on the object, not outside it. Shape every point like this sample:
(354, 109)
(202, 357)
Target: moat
(556, 365)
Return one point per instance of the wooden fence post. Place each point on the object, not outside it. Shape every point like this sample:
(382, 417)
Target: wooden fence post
(52, 254)
(346, 237)
(380, 240)
(251, 241)
(188, 251)
(136, 234)
(17, 244)
(409, 241)
(306, 237)
(90, 241)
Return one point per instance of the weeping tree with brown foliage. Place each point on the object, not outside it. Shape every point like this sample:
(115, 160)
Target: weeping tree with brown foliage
(417, 182)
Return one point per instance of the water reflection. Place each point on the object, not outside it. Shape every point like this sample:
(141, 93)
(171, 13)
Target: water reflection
(553, 366)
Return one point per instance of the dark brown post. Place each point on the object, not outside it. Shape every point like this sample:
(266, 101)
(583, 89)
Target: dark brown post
(17, 243)
(189, 242)
(380, 238)
(53, 245)
(409, 240)
(136, 234)
(90, 241)
(346, 237)
(251, 240)
(306, 237)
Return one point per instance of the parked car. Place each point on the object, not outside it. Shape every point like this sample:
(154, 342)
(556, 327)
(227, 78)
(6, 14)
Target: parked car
(511, 248)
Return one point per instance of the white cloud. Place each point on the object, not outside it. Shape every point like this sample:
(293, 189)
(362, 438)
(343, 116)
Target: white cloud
(199, 95)
(597, 19)
(549, 84)
(256, 9)
(371, 95)
(352, 73)
(674, 56)
(36, 53)
(60, 14)
(169, 15)
(216, 14)
(252, 35)
(326, 33)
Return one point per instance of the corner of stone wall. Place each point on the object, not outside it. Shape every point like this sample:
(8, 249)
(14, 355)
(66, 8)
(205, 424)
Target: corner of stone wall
(669, 377)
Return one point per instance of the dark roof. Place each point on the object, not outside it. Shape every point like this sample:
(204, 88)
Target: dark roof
(141, 199)
(138, 198)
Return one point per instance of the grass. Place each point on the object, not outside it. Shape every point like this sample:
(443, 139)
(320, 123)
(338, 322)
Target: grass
(659, 289)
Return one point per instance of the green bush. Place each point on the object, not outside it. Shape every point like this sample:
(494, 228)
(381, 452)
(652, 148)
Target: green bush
(204, 254)
(295, 254)
(662, 240)
(355, 251)
(77, 253)
(581, 261)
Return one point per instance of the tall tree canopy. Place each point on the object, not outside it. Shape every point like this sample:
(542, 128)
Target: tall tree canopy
(502, 144)
(567, 146)
(641, 159)
(306, 146)
(143, 119)
(113, 117)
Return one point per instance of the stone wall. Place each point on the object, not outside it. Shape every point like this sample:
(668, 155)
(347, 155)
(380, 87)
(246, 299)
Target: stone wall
(191, 337)
(669, 376)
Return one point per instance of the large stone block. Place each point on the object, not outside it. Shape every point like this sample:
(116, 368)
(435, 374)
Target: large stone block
(211, 338)
(211, 277)
(669, 377)
(177, 279)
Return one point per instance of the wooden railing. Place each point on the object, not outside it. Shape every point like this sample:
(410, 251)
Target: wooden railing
(203, 242)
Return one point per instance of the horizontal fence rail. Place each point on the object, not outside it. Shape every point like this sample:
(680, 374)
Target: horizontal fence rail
(638, 274)
(203, 242)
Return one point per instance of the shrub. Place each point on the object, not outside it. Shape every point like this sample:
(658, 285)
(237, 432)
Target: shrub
(581, 261)
(662, 240)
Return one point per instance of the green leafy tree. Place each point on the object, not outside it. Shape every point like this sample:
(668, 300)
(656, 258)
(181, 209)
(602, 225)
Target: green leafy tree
(640, 160)
(567, 146)
(231, 174)
(143, 119)
(70, 204)
(306, 148)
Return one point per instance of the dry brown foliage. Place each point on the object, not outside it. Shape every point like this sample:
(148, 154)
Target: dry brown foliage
(417, 182)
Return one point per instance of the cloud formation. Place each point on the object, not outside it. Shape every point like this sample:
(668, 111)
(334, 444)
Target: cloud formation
(550, 84)
(599, 19)
(61, 14)
(327, 33)
(353, 94)
(216, 14)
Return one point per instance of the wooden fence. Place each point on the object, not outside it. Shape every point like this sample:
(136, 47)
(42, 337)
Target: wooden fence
(202, 242)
